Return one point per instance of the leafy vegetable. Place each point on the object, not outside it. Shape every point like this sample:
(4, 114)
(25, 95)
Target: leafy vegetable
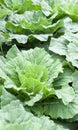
(38, 65)
(31, 75)
(10, 119)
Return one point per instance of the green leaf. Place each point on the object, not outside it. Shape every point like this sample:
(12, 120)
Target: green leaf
(70, 25)
(47, 11)
(58, 45)
(4, 12)
(59, 110)
(64, 79)
(12, 53)
(2, 26)
(75, 81)
(14, 116)
(6, 98)
(20, 38)
(34, 99)
(67, 94)
(24, 38)
(72, 53)
(14, 28)
(71, 10)
(13, 5)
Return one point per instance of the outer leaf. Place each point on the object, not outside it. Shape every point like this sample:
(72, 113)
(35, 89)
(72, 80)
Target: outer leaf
(12, 53)
(71, 10)
(72, 54)
(47, 11)
(70, 25)
(24, 38)
(57, 109)
(13, 4)
(75, 81)
(13, 116)
(4, 100)
(59, 45)
(20, 38)
(67, 94)
(64, 79)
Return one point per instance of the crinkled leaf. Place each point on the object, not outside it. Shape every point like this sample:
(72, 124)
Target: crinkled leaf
(75, 81)
(13, 4)
(64, 79)
(71, 10)
(47, 11)
(59, 45)
(59, 110)
(70, 25)
(4, 100)
(24, 38)
(67, 94)
(72, 55)
(12, 53)
(14, 116)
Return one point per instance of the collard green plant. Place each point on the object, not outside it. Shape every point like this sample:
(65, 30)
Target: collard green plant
(33, 75)
(38, 64)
